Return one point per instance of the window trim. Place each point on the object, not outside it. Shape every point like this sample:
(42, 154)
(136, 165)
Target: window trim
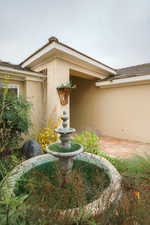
(12, 86)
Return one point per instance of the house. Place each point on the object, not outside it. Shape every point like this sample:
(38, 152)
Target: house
(112, 102)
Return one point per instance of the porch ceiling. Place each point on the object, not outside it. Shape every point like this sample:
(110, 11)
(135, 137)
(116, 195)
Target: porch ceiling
(87, 76)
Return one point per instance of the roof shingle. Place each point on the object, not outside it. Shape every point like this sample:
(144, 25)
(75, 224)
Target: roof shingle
(14, 66)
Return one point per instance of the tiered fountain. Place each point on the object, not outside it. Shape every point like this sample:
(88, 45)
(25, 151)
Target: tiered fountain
(66, 152)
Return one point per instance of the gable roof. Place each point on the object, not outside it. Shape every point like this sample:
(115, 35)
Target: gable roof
(54, 43)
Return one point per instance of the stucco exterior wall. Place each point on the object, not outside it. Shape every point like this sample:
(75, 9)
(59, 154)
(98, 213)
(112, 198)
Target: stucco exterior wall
(34, 93)
(122, 112)
(57, 73)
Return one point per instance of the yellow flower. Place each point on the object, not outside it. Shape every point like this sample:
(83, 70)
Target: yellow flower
(48, 135)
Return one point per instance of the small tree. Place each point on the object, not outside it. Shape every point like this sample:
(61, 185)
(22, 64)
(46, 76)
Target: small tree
(14, 121)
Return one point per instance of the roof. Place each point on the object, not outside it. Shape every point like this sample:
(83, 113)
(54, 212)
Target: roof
(13, 66)
(17, 69)
(55, 40)
(133, 71)
(127, 72)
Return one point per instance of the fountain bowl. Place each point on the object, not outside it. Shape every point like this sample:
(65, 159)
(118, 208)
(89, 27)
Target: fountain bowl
(111, 194)
(67, 156)
(65, 153)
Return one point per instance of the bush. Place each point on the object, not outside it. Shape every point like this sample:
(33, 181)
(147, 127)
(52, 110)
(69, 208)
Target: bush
(90, 142)
(14, 121)
(12, 209)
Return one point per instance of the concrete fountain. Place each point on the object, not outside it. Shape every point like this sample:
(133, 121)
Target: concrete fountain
(65, 153)
(65, 150)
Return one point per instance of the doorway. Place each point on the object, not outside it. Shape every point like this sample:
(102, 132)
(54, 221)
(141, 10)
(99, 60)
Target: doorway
(82, 103)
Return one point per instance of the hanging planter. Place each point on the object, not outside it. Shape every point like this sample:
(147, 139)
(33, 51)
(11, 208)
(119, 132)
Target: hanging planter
(64, 91)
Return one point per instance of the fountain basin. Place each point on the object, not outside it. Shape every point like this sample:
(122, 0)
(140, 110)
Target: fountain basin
(65, 155)
(65, 130)
(56, 150)
(111, 194)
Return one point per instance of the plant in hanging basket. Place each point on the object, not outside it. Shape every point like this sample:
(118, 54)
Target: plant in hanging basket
(64, 92)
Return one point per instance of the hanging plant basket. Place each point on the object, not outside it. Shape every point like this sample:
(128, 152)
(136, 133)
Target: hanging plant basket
(64, 95)
(64, 91)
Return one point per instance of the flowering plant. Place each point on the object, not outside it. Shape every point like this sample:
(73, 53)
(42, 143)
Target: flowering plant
(47, 135)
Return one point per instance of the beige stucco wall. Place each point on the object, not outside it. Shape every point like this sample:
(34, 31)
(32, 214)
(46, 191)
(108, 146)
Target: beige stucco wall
(57, 73)
(34, 93)
(122, 112)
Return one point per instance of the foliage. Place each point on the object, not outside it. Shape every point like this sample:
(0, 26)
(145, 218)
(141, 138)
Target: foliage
(14, 120)
(48, 135)
(67, 85)
(133, 208)
(90, 142)
(12, 209)
(8, 162)
(137, 166)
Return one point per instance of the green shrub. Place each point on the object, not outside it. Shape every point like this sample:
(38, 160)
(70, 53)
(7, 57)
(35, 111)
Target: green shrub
(90, 142)
(14, 121)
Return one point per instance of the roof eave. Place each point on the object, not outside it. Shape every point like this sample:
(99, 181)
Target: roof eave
(12, 70)
(124, 81)
(68, 50)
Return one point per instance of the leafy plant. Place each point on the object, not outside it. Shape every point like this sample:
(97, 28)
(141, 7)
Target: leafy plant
(90, 142)
(9, 162)
(12, 209)
(67, 85)
(14, 121)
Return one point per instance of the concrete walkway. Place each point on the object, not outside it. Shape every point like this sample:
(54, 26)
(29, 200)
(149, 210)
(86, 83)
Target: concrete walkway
(123, 148)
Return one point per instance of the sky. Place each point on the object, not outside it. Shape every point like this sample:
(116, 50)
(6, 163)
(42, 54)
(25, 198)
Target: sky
(115, 32)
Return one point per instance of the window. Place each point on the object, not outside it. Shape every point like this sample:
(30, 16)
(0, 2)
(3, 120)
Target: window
(13, 89)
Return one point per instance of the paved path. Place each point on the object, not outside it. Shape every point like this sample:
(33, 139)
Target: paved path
(124, 148)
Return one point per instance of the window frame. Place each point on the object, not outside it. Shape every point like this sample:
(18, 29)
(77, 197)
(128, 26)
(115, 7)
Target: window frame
(11, 86)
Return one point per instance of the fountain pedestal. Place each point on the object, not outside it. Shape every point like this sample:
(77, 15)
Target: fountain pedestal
(65, 154)
(66, 164)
